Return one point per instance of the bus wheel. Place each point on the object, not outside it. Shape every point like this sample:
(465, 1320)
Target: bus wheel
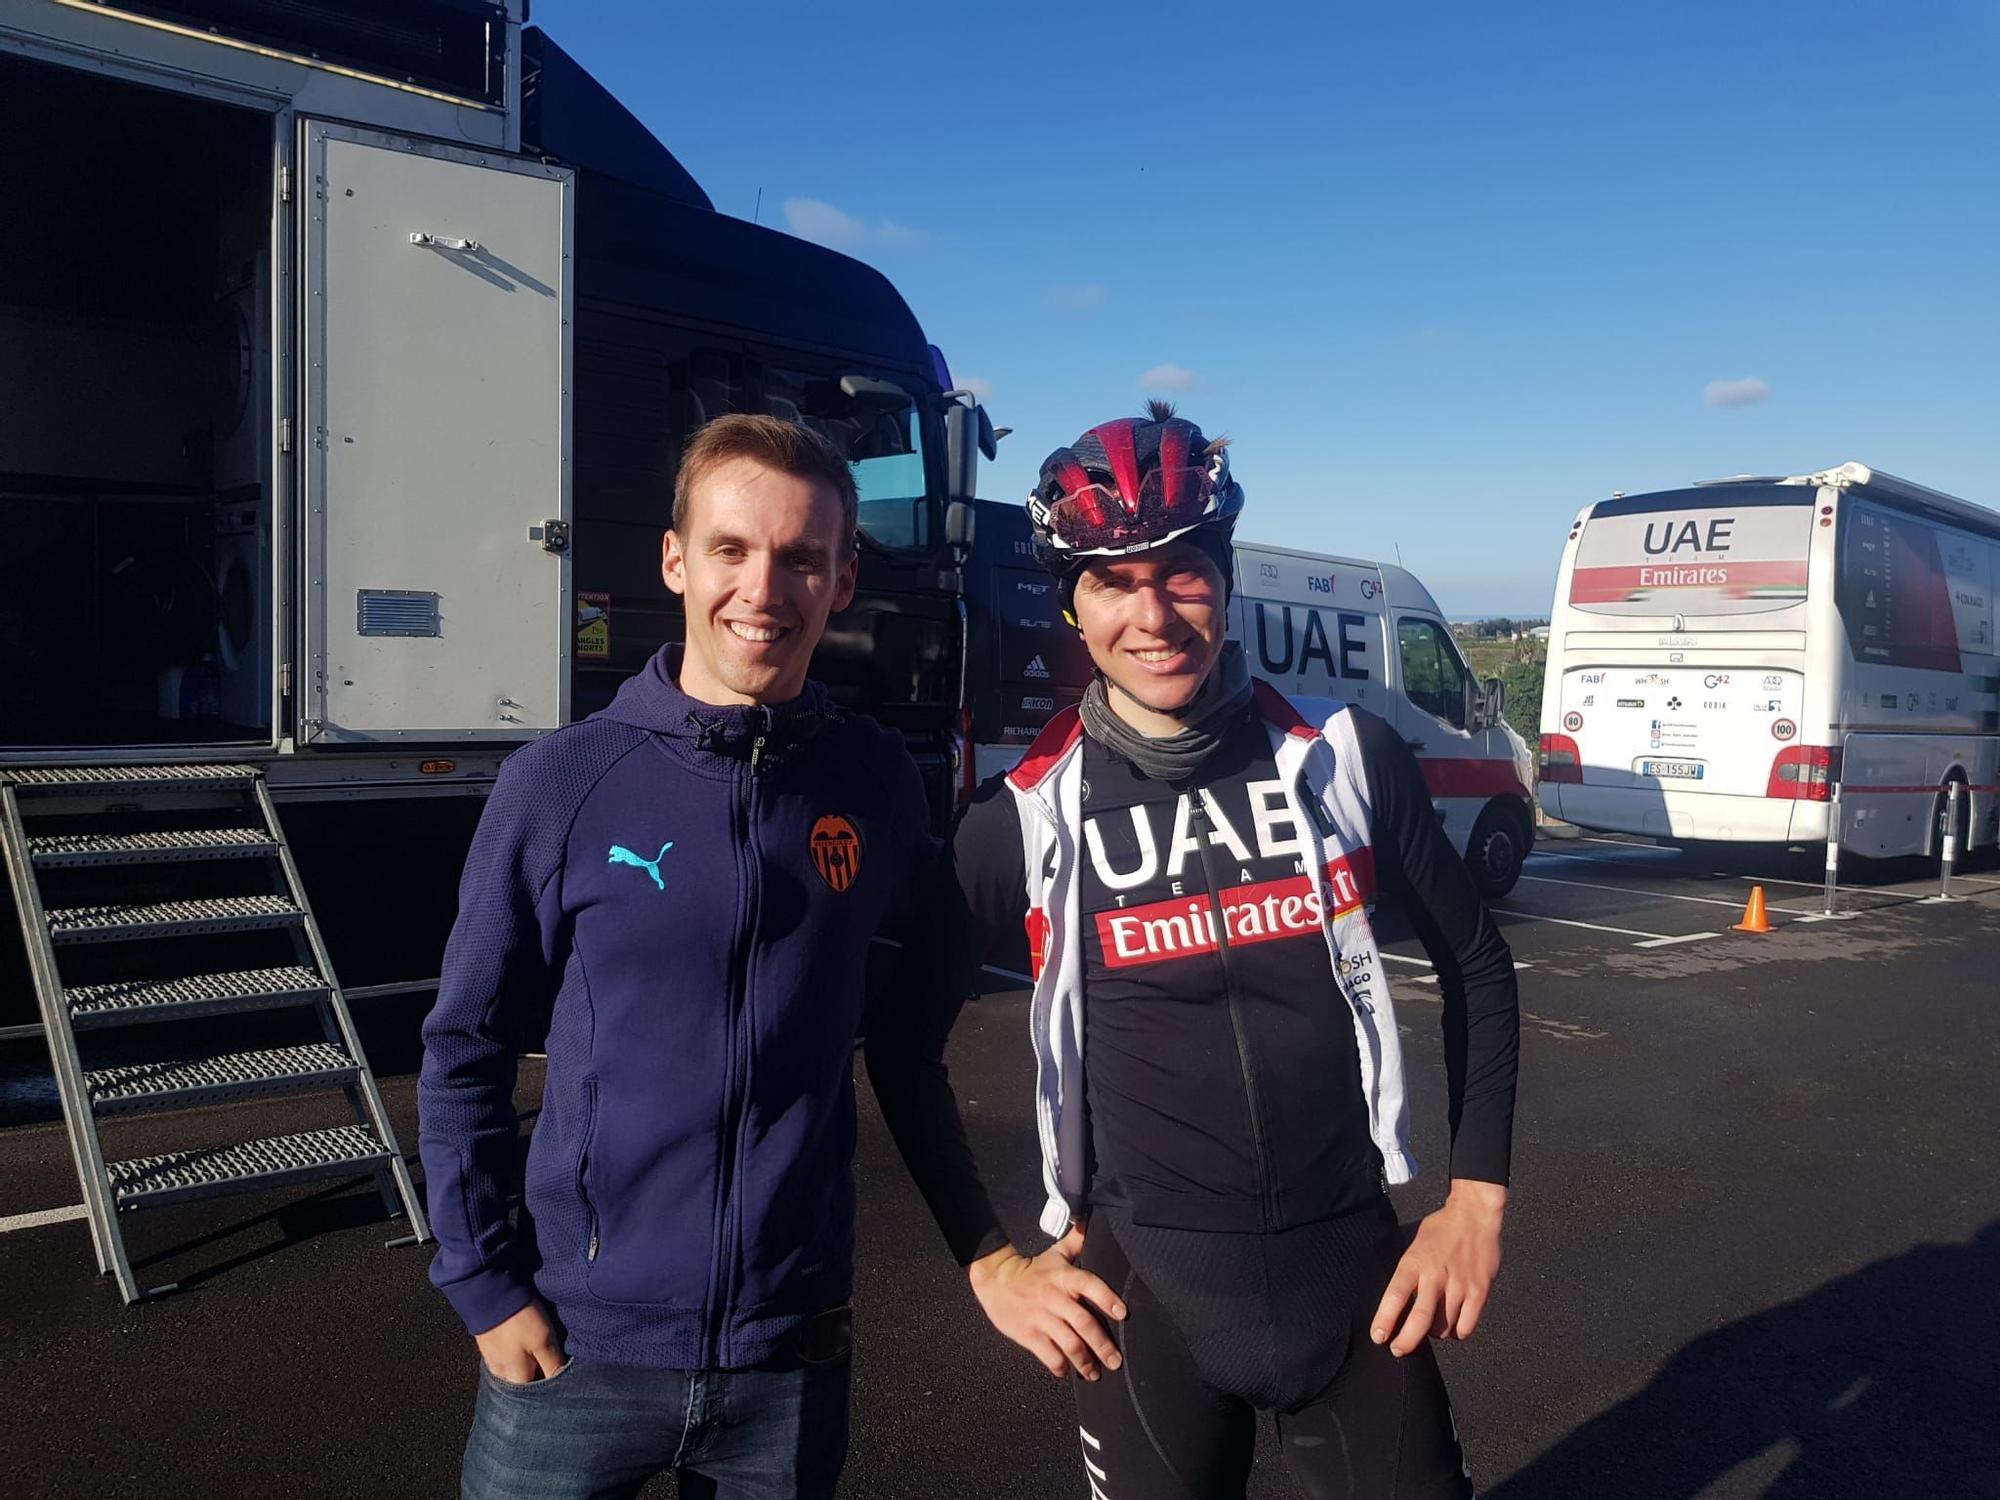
(1496, 852)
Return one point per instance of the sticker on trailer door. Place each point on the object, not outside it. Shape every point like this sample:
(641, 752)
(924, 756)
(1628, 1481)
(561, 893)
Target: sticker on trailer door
(1717, 725)
(593, 627)
(1714, 560)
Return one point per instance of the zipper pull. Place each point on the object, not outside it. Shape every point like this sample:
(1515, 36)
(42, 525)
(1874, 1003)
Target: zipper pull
(763, 738)
(590, 1252)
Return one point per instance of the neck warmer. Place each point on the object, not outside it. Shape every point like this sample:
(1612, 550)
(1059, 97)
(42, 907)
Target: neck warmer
(1213, 711)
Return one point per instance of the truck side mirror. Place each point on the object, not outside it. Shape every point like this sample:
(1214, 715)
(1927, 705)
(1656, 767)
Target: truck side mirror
(1496, 699)
(968, 433)
(961, 518)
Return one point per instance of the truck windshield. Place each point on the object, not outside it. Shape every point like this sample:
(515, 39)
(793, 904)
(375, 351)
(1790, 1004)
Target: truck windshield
(885, 434)
(1728, 550)
(882, 440)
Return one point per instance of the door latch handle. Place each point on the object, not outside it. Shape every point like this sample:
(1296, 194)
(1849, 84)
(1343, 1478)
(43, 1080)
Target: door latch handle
(553, 535)
(1416, 745)
(441, 241)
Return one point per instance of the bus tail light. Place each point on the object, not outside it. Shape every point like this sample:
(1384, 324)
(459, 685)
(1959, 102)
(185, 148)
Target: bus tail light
(1804, 773)
(1560, 760)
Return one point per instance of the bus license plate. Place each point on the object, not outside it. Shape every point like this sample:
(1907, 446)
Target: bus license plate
(1685, 770)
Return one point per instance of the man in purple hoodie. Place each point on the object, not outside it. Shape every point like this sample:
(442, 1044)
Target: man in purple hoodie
(682, 891)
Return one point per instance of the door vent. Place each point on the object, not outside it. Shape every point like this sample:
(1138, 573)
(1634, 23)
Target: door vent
(397, 612)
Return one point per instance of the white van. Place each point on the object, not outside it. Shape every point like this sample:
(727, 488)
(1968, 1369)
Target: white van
(1370, 634)
(1314, 627)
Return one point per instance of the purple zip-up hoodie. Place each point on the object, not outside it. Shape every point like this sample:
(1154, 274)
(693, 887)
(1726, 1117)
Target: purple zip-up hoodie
(685, 896)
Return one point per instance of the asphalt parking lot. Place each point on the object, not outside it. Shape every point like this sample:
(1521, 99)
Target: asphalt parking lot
(1753, 1249)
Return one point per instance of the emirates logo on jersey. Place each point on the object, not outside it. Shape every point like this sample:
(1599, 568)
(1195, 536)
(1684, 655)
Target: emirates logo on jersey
(1265, 912)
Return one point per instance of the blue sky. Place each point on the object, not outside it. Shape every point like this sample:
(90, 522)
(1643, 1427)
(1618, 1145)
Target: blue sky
(1444, 272)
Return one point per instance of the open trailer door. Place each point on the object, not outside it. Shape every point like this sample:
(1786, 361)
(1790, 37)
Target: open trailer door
(437, 297)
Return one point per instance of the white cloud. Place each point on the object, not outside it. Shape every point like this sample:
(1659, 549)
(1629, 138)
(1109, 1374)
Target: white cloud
(982, 389)
(824, 224)
(1736, 392)
(1076, 296)
(1169, 377)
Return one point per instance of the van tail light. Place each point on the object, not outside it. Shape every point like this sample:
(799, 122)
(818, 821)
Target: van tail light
(1560, 760)
(1804, 773)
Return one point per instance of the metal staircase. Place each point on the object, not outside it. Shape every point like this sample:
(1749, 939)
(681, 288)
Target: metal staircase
(104, 857)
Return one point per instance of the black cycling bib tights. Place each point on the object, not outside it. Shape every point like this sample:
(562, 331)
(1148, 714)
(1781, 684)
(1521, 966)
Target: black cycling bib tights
(1160, 1428)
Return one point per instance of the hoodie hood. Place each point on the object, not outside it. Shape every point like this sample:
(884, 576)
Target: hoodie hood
(652, 700)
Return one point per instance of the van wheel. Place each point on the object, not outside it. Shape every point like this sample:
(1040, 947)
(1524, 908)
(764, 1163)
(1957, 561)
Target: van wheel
(1496, 853)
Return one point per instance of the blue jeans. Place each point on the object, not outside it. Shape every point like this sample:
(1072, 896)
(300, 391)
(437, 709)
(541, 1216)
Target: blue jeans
(599, 1432)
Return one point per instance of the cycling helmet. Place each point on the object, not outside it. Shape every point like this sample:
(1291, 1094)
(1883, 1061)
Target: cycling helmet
(1133, 484)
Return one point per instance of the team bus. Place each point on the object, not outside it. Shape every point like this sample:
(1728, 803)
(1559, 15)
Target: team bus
(1728, 661)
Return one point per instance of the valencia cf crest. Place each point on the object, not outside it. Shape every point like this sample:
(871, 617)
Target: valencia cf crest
(836, 851)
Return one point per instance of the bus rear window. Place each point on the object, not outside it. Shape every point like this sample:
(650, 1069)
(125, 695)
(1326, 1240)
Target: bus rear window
(1704, 552)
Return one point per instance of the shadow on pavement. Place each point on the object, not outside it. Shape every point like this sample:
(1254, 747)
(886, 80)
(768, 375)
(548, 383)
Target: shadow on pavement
(1880, 1383)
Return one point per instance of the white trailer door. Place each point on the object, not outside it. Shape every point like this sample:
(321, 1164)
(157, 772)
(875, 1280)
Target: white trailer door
(436, 440)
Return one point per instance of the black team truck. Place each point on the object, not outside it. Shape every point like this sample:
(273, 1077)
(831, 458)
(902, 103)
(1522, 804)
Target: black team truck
(348, 348)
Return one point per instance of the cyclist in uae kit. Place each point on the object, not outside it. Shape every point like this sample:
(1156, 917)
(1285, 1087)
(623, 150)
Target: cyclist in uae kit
(1220, 1084)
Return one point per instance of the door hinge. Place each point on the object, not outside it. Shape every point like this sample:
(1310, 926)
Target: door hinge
(284, 184)
(284, 434)
(285, 680)
(553, 535)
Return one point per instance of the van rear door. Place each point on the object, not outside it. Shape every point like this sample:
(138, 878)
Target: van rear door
(436, 440)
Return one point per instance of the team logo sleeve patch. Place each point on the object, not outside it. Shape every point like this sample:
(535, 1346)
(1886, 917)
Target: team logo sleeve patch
(836, 851)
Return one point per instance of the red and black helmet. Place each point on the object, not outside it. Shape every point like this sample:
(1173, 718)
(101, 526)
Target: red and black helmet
(1132, 484)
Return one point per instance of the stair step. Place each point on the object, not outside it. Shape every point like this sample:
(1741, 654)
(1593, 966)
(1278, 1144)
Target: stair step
(132, 1088)
(123, 923)
(58, 851)
(188, 778)
(93, 1007)
(209, 1172)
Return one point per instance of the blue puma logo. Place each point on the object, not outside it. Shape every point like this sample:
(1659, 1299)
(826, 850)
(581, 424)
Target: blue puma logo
(620, 855)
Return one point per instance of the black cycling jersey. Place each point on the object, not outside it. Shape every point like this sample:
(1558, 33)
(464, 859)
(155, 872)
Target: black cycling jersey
(1223, 1087)
(1222, 1078)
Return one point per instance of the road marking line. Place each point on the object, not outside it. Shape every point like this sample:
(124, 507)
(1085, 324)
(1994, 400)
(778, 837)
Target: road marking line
(43, 1216)
(1398, 958)
(1528, 916)
(1588, 859)
(1820, 885)
(1668, 942)
(1627, 890)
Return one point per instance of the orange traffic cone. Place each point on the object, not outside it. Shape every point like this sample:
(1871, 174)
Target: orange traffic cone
(1754, 919)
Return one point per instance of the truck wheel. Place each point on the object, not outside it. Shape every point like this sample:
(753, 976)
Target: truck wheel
(1497, 852)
